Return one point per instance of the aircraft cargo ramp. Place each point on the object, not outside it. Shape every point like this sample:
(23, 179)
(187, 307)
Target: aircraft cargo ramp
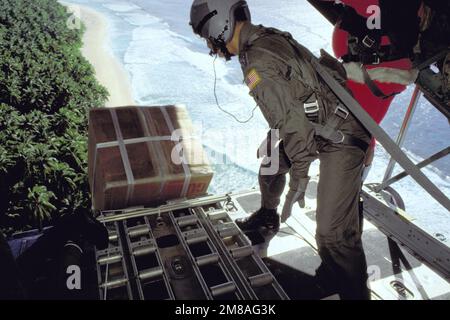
(216, 261)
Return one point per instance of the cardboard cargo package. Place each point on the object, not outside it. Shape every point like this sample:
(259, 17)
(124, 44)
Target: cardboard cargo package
(144, 156)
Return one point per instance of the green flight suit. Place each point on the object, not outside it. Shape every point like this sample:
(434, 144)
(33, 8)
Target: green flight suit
(277, 83)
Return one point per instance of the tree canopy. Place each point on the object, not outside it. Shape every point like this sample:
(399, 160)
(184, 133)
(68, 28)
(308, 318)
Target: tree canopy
(46, 90)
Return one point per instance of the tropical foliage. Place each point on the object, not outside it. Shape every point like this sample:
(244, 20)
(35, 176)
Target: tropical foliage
(46, 90)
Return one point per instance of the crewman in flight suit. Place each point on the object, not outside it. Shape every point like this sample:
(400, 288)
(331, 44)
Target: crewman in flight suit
(311, 123)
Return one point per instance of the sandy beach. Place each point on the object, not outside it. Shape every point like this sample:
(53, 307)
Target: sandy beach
(109, 72)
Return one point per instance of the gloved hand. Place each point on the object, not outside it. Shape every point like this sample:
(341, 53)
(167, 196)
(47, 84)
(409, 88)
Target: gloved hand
(291, 198)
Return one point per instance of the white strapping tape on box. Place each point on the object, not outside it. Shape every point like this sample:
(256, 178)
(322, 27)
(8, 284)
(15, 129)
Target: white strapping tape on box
(121, 143)
(156, 148)
(187, 172)
(123, 155)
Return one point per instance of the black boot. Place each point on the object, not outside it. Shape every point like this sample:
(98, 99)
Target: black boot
(326, 281)
(267, 218)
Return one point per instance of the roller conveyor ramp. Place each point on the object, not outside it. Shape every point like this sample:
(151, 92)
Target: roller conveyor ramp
(193, 250)
(182, 252)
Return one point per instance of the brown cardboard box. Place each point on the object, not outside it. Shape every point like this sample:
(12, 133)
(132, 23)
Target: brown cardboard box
(135, 159)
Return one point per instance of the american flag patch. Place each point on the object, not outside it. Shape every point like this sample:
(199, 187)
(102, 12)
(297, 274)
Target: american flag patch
(253, 79)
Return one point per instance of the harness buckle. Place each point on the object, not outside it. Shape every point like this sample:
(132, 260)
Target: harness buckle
(311, 107)
(341, 112)
(368, 41)
(376, 59)
(341, 139)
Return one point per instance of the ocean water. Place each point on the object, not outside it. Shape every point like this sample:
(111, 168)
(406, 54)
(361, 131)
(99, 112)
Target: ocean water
(168, 64)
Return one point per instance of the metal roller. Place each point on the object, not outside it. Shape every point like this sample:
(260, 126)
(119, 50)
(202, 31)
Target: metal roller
(187, 221)
(138, 231)
(212, 258)
(113, 236)
(227, 230)
(143, 250)
(114, 283)
(151, 273)
(217, 215)
(260, 280)
(241, 252)
(192, 238)
(109, 259)
(224, 288)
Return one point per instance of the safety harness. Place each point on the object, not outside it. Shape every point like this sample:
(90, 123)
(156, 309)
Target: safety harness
(369, 52)
(364, 47)
(364, 43)
(329, 130)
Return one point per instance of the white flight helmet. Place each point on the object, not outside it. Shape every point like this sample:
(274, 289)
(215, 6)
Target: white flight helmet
(215, 20)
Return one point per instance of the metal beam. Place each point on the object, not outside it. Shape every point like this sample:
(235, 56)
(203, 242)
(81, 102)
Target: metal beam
(118, 215)
(424, 163)
(391, 222)
(404, 129)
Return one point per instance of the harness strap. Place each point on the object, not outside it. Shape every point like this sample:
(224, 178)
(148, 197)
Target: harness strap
(338, 137)
(370, 58)
(367, 49)
(312, 108)
(373, 86)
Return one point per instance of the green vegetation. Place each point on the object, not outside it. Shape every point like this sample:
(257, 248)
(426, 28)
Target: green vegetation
(46, 90)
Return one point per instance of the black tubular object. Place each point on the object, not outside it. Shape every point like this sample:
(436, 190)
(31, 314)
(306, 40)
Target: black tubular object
(328, 9)
(32, 262)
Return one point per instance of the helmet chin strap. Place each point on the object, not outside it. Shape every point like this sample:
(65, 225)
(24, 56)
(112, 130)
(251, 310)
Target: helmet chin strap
(220, 46)
(225, 52)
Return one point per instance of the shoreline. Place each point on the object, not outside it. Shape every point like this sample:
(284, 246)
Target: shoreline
(108, 70)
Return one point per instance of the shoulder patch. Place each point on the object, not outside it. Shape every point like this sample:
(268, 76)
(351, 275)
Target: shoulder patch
(253, 79)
